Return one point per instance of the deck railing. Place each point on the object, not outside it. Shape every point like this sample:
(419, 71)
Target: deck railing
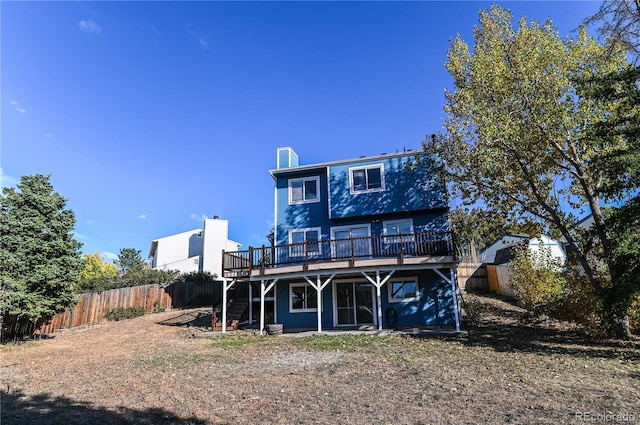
(353, 248)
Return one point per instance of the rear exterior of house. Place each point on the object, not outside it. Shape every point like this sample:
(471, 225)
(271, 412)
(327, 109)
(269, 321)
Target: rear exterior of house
(366, 240)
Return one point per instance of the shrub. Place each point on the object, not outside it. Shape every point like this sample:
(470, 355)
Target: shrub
(128, 279)
(149, 277)
(537, 280)
(197, 277)
(157, 308)
(580, 304)
(634, 315)
(99, 284)
(122, 313)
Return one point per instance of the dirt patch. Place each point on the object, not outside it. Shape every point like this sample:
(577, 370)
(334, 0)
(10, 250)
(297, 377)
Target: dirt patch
(511, 368)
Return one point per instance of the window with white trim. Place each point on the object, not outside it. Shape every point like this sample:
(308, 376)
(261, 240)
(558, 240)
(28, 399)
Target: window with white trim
(366, 179)
(302, 298)
(402, 290)
(304, 190)
(304, 240)
(394, 228)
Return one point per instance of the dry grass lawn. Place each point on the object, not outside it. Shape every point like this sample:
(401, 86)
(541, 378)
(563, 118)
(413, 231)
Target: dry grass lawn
(511, 368)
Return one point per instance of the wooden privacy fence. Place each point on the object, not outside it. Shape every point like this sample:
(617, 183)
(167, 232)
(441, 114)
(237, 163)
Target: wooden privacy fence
(472, 276)
(499, 277)
(92, 308)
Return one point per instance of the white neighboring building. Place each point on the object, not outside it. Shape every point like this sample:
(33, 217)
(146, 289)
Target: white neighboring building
(488, 255)
(197, 250)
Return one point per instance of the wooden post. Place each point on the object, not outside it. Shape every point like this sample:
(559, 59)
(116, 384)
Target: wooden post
(454, 287)
(378, 284)
(224, 305)
(250, 303)
(319, 303)
(378, 300)
(262, 293)
(250, 259)
(353, 251)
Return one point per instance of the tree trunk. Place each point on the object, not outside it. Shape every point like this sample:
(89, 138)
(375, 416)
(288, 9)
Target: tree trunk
(615, 312)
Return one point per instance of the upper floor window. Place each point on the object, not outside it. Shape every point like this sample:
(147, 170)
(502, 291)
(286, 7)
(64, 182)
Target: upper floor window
(304, 190)
(367, 179)
(304, 240)
(394, 228)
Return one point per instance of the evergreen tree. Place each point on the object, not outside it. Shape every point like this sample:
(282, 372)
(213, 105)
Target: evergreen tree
(39, 258)
(129, 259)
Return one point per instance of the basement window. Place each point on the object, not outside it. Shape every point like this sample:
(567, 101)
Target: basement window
(403, 290)
(303, 298)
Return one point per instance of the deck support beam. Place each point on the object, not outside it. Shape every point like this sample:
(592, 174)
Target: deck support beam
(451, 280)
(250, 303)
(225, 288)
(264, 289)
(319, 286)
(378, 284)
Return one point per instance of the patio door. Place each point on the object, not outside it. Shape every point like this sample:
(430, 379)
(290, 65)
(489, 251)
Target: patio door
(351, 241)
(353, 303)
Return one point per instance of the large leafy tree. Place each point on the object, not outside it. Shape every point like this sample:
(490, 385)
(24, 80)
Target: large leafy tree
(39, 257)
(619, 131)
(618, 21)
(476, 228)
(97, 268)
(517, 134)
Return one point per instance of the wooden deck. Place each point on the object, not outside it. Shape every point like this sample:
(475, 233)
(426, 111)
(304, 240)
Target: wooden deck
(420, 250)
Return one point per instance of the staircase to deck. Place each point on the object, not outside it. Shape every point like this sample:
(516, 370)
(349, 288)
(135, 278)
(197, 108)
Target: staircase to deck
(235, 311)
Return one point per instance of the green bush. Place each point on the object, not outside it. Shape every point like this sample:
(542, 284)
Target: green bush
(580, 304)
(130, 278)
(197, 277)
(634, 315)
(538, 280)
(122, 313)
(157, 308)
(150, 277)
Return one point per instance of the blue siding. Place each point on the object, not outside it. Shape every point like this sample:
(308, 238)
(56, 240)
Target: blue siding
(410, 192)
(307, 319)
(299, 216)
(406, 189)
(435, 306)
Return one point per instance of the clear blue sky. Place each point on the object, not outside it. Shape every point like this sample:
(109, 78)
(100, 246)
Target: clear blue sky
(150, 115)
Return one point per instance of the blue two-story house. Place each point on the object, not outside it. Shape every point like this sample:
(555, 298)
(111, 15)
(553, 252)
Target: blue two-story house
(356, 243)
